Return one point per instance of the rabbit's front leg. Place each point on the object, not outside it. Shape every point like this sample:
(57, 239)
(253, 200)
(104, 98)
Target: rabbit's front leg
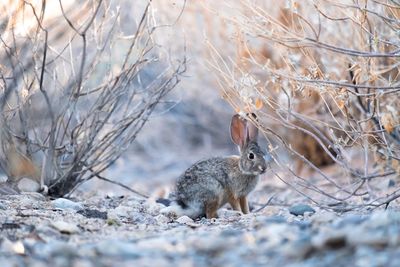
(244, 205)
(234, 202)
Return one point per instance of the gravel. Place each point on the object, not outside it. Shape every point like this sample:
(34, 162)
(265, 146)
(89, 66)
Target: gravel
(130, 232)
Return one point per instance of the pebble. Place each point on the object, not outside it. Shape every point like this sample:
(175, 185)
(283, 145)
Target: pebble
(184, 220)
(12, 247)
(65, 227)
(28, 185)
(92, 213)
(133, 236)
(301, 209)
(66, 204)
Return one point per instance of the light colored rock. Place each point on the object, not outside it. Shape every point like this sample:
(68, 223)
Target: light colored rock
(187, 221)
(184, 220)
(65, 227)
(66, 204)
(16, 247)
(28, 185)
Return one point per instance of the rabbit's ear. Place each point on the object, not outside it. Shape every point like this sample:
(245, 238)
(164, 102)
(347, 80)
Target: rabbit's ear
(238, 130)
(252, 131)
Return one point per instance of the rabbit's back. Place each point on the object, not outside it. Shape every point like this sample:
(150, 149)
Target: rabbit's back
(202, 181)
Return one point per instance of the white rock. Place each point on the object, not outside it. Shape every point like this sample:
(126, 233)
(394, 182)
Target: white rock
(184, 219)
(12, 247)
(28, 185)
(65, 227)
(187, 221)
(66, 204)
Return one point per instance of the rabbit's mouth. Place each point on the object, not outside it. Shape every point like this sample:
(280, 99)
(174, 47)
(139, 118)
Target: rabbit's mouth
(257, 171)
(262, 169)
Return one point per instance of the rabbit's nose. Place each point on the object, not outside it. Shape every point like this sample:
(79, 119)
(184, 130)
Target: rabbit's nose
(262, 168)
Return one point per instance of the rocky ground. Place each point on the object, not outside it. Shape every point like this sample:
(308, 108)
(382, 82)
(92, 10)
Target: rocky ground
(129, 231)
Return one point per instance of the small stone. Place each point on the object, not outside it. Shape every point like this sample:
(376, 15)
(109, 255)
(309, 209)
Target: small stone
(391, 183)
(16, 247)
(65, 227)
(28, 185)
(187, 221)
(164, 201)
(66, 204)
(301, 209)
(184, 220)
(90, 213)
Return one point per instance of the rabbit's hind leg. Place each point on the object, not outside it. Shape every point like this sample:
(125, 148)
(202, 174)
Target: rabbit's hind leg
(212, 208)
(244, 205)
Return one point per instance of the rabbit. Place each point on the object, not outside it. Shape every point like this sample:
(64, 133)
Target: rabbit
(209, 184)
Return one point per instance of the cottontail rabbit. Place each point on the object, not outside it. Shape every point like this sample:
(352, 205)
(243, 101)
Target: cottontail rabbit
(209, 184)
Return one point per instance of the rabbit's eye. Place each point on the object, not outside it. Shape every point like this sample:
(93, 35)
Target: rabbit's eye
(250, 155)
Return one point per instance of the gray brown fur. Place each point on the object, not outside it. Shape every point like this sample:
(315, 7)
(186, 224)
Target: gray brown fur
(209, 184)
